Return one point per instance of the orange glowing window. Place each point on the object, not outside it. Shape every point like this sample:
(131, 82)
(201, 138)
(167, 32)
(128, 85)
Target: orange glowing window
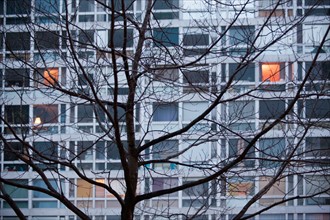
(50, 76)
(271, 72)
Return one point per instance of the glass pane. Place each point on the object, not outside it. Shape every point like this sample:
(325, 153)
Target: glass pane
(191, 110)
(246, 73)
(15, 192)
(17, 114)
(45, 114)
(271, 109)
(165, 112)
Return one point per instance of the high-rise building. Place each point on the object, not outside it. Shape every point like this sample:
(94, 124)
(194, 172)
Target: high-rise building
(234, 90)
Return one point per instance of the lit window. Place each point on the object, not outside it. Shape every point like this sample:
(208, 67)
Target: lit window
(272, 72)
(45, 114)
(84, 189)
(45, 77)
(277, 189)
(241, 187)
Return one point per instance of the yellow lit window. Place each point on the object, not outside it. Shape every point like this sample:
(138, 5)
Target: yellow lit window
(271, 72)
(50, 76)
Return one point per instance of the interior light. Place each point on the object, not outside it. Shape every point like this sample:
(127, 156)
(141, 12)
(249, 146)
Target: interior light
(37, 121)
(270, 72)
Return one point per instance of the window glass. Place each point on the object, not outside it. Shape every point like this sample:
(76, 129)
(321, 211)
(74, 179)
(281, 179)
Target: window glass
(199, 76)
(196, 151)
(17, 41)
(16, 192)
(271, 149)
(45, 77)
(86, 37)
(164, 183)
(12, 150)
(166, 74)
(99, 191)
(166, 36)
(166, 5)
(241, 186)
(86, 6)
(320, 71)
(195, 39)
(272, 72)
(272, 216)
(317, 216)
(46, 40)
(247, 73)
(236, 148)
(271, 109)
(43, 114)
(84, 189)
(46, 149)
(100, 150)
(241, 35)
(47, 6)
(165, 149)
(17, 7)
(192, 110)
(165, 111)
(112, 150)
(17, 77)
(85, 150)
(118, 185)
(17, 114)
(200, 190)
(318, 146)
(120, 113)
(241, 110)
(85, 113)
(128, 5)
(317, 184)
(278, 189)
(42, 184)
(318, 108)
(118, 38)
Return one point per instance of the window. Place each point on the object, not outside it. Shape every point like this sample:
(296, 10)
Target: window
(17, 114)
(165, 149)
(85, 38)
(46, 149)
(271, 149)
(119, 186)
(86, 6)
(85, 113)
(236, 148)
(119, 40)
(320, 71)
(47, 6)
(197, 194)
(278, 189)
(195, 39)
(271, 109)
(272, 72)
(164, 74)
(16, 192)
(192, 110)
(317, 184)
(196, 77)
(11, 150)
(17, 77)
(197, 152)
(112, 150)
(166, 5)
(85, 150)
(246, 73)
(165, 111)
(43, 114)
(18, 7)
(164, 183)
(42, 184)
(241, 110)
(241, 35)
(318, 147)
(17, 41)
(84, 189)
(166, 36)
(46, 40)
(45, 77)
(241, 186)
(128, 5)
(318, 108)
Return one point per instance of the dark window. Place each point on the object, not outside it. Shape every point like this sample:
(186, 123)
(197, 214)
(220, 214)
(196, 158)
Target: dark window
(271, 109)
(82, 79)
(86, 37)
(85, 113)
(47, 6)
(128, 5)
(195, 77)
(195, 39)
(85, 150)
(318, 108)
(1, 7)
(321, 71)
(165, 111)
(17, 77)
(318, 146)
(241, 35)
(17, 114)
(86, 6)
(271, 149)
(236, 148)
(166, 36)
(17, 7)
(45, 149)
(120, 113)
(166, 5)
(46, 40)
(11, 150)
(118, 38)
(246, 73)
(17, 41)
(112, 150)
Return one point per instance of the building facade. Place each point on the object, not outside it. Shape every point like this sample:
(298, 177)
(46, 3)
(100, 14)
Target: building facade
(254, 54)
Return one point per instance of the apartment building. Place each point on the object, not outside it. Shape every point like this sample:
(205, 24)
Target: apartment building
(253, 58)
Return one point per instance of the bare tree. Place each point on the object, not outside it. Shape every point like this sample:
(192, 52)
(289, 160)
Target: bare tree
(166, 108)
